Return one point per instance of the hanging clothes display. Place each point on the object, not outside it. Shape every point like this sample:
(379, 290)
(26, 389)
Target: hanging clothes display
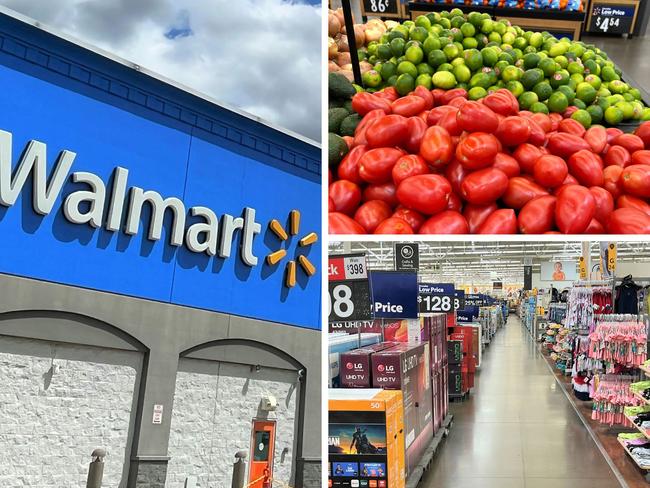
(580, 313)
(620, 342)
(627, 300)
(602, 299)
(611, 397)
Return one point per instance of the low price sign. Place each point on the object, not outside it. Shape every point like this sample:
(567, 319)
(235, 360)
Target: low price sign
(394, 294)
(612, 18)
(349, 288)
(437, 298)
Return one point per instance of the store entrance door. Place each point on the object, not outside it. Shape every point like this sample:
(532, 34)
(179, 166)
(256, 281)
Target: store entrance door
(262, 453)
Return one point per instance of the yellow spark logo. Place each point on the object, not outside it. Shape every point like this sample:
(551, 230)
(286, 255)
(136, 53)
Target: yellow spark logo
(275, 257)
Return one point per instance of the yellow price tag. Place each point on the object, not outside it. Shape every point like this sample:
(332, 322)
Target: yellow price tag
(583, 268)
(611, 257)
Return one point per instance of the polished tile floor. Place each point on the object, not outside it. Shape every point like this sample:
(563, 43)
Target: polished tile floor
(517, 430)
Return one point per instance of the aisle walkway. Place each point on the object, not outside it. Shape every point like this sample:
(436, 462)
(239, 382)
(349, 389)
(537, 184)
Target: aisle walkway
(517, 430)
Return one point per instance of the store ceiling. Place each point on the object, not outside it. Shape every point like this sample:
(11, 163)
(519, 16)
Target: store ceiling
(475, 262)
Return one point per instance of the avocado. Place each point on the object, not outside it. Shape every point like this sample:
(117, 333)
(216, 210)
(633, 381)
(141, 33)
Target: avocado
(339, 86)
(337, 149)
(349, 124)
(334, 118)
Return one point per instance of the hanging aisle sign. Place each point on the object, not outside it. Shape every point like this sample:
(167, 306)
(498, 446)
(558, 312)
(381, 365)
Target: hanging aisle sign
(528, 277)
(394, 294)
(349, 288)
(407, 256)
(436, 298)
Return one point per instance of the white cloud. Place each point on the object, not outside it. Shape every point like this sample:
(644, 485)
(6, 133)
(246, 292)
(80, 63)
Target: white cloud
(263, 56)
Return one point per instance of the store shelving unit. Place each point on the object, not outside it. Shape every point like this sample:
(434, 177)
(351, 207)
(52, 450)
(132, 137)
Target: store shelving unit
(643, 431)
(646, 469)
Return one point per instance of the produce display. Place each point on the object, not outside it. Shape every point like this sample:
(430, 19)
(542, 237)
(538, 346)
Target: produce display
(450, 50)
(566, 5)
(448, 139)
(338, 49)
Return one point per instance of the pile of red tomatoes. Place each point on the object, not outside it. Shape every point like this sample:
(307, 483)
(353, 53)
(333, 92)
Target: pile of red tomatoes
(433, 162)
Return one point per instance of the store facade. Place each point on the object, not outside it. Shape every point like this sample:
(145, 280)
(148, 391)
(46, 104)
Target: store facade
(159, 278)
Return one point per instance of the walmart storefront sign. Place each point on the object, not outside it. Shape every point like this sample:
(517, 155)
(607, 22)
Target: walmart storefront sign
(88, 207)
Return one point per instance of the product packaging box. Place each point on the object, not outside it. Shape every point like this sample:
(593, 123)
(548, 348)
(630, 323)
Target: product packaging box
(406, 367)
(455, 380)
(455, 351)
(355, 368)
(366, 438)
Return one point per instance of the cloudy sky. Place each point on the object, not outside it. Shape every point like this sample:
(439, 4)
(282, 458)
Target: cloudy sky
(262, 56)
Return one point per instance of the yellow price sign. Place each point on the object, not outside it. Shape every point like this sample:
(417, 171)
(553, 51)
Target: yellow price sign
(611, 257)
(583, 268)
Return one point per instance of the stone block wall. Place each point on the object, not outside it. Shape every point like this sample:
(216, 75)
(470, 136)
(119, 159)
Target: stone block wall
(214, 406)
(54, 414)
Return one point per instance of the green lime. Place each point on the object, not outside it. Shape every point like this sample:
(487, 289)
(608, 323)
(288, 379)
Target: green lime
(457, 62)
(617, 86)
(414, 54)
(487, 26)
(531, 60)
(468, 29)
(539, 107)
(609, 74)
(508, 38)
(591, 67)
(480, 79)
(444, 80)
(388, 69)
(384, 52)
(436, 58)
(613, 116)
(490, 56)
(371, 79)
(568, 92)
(451, 51)
(446, 67)
(423, 21)
(575, 67)
(473, 59)
(635, 93)
(476, 93)
(527, 99)
(511, 73)
(424, 68)
(520, 43)
(558, 49)
(558, 102)
(645, 115)
(627, 108)
(536, 40)
(475, 19)
(397, 46)
(407, 67)
(531, 77)
(515, 87)
(548, 66)
(558, 79)
(583, 117)
(462, 73)
(596, 113)
(424, 80)
(579, 103)
(543, 90)
(418, 34)
(594, 81)
(586, 92)
(429, 44)
(561, 60)
(470, 43)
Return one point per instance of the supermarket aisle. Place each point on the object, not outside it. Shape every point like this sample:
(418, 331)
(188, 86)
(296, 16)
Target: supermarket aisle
(517, 430)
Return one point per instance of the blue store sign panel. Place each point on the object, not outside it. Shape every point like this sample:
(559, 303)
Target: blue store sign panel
(612, 18)
(394, 294)
(118, 198)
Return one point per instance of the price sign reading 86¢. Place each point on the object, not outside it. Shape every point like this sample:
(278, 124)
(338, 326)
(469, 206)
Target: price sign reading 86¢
(349, 300)
(380, 6)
